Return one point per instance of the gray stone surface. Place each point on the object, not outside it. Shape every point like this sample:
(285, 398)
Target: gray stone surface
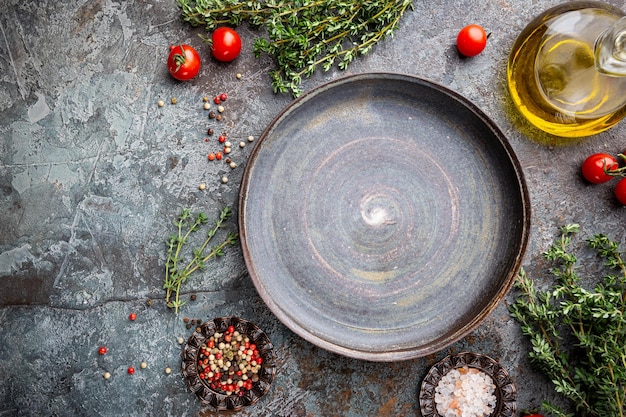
(92, 173)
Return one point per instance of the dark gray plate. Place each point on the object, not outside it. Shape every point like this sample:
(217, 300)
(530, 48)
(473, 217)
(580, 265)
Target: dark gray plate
(383, 217)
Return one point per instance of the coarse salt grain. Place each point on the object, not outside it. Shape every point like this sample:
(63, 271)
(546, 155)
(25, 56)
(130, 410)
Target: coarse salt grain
(466, 392)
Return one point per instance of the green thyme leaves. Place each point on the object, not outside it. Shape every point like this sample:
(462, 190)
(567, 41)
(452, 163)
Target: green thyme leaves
(177, 269)
(303, 35)
(578, 335)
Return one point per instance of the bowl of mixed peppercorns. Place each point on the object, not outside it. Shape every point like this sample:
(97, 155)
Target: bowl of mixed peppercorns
(229, 363)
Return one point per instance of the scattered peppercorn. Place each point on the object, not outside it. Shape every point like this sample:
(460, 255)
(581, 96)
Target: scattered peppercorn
(149, 302)
(188, 326)
(220, 109)
(180, 340)
(207, 106)
(223, 96)
(211, 156)
(102, 350)
(186, 319)
(160, 103)
(224, 180)
(233, 165)
(205, 99)
(106, 375)
(144, 365)
(210, 132)
(174, 100)
(211, 114)
(238, 76)
(168, 371)
(132, 316)
(242, 144)
(193, 297)
(131, 370)
(202, 186)
(222, 139)
(218, 117)
(250, 138)
(218, 156)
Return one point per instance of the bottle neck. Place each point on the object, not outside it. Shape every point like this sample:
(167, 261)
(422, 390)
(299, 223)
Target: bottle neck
(610, 50)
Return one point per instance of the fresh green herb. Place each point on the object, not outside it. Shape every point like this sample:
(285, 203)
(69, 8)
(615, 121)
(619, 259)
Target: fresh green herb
(176, 269)
(303, 34)
(578, 335)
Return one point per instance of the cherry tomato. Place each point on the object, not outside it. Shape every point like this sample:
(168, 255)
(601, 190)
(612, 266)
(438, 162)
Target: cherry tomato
(593, 167)
(620, 191)
(471, 40)
(226, 44)
(183, 62)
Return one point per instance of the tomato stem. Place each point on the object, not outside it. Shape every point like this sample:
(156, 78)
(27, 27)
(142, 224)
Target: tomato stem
(616, 172)
(180, 58)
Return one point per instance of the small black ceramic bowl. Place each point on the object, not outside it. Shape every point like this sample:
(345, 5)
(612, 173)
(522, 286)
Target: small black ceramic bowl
(506, 393)
(192, 370)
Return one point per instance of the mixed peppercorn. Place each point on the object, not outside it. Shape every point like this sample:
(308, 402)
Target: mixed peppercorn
(229, 362)
(226, 147)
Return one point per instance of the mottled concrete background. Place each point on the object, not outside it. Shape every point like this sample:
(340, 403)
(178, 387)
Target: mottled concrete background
(92, 173)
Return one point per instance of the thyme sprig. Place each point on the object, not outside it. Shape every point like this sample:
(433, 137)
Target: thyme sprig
(176, 269)
(303, 34)
(578, 335)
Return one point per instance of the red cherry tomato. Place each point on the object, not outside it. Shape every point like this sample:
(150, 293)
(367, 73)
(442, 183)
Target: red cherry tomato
(226, 44)
(620, 191)
(593, 168)
(183, 62)
(471, 40)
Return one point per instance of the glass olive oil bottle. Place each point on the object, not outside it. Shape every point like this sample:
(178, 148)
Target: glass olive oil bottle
(567, 69)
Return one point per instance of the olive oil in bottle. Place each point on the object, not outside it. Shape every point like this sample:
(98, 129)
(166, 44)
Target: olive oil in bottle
(566, 73)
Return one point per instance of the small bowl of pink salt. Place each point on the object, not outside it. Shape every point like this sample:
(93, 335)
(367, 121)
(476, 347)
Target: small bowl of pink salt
(467, 385)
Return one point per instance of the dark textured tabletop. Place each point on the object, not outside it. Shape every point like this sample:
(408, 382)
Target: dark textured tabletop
(93, 172)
